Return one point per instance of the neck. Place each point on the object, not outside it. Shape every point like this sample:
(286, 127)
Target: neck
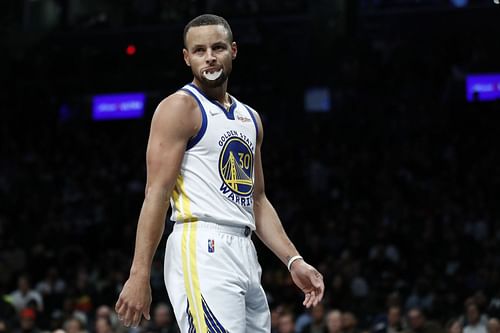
(217, 93)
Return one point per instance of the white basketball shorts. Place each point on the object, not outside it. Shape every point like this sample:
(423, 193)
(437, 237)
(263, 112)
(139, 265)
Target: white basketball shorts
(213, 280)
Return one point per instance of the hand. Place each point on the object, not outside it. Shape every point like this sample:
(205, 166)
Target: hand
(134, 302)
(309, 280)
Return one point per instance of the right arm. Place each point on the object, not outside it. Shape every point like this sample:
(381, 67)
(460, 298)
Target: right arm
(175, 121)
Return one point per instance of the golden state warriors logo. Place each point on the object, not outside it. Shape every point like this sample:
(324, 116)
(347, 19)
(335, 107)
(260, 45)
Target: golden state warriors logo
(236, 168)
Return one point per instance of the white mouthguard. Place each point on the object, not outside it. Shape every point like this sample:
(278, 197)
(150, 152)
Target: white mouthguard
(212, 76)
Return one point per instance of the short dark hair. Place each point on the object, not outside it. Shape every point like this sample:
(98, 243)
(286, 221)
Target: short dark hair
(208, 19)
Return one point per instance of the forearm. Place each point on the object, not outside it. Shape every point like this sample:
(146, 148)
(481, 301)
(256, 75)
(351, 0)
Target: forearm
(270, 230)
(149, 231)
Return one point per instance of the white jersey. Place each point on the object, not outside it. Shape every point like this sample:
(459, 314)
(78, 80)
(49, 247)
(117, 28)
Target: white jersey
(216, 179)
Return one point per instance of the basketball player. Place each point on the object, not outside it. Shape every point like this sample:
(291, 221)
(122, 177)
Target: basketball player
(204, 156)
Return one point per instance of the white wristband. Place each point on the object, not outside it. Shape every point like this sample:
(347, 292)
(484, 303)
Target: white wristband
(291, 260)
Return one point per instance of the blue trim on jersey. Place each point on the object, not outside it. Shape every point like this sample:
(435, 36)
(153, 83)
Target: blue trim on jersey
(229, 113)
(254, 121)
(194, 140)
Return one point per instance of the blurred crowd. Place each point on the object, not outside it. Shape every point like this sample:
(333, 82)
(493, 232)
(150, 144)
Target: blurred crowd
(393, 195)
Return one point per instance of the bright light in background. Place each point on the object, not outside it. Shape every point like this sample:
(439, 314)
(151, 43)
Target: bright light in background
(496, 2)
(130, 50)
(317, 99)
(483, 87)
(461, 3)
(118, 106)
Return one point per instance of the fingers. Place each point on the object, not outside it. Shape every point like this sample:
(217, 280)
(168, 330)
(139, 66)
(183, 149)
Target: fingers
(319, 286)
(129, 316)
(133, 302)
(321, 291)
(118, 304)
(121, 309)
(146, 313)
(313, 298)
(310, 299)
(306, 299)
(314, 294)
(317, 298)
(136, 320)
(311, 283)
(126, 314)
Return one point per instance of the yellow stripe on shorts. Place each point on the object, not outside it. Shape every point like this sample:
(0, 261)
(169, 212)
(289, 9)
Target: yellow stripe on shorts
(189, 265)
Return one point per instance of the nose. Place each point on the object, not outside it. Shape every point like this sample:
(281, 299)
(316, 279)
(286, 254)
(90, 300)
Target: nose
(210, 57)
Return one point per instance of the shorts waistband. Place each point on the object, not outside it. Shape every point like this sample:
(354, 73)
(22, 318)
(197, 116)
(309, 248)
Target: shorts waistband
(227, 229)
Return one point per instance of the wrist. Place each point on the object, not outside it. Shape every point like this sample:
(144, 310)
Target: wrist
(141, 274)
(292, 260)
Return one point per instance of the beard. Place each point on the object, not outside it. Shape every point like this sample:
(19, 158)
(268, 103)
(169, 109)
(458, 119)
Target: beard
(212, 83)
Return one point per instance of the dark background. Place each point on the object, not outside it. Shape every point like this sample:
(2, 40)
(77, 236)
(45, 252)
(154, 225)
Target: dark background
(393, 194)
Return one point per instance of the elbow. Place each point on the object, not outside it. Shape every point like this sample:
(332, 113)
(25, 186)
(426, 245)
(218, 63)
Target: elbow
(259, 197)
(156, 190)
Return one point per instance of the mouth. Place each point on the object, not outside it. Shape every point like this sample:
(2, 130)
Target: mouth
(212, 74)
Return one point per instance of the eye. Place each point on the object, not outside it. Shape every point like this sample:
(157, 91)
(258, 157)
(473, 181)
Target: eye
(198, 50)
(219, 47)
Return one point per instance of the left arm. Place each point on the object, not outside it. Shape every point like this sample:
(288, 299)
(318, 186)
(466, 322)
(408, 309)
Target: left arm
(270, 231)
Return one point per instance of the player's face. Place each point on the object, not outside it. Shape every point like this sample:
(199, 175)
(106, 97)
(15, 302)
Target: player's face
(210, 54)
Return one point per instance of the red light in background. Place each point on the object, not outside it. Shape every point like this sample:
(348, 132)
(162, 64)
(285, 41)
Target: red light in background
(130, 50)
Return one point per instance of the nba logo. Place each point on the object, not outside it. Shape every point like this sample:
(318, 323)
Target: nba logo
(211, 246)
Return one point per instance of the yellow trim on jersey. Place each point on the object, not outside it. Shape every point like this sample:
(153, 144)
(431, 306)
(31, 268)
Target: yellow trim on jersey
(186, 205)
(177, 203)
(191, 279)
(181, 201)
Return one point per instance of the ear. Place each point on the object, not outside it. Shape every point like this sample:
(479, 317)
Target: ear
(185, 53)
(234, 50)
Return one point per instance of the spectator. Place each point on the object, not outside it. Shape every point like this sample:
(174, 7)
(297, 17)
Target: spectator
(418, 323)
(84, 292)
(338, 291)
(493, 325)
(421, 297)
(494, 306)
(394, 320)
(22, 296)
(276, 313)
(74, 325)
(390, 322)
(303, 320)
(317, 324)
(105, 312)
(473, 317)
(334, 321)
(454, 326)
(163, 322)
(51, 284)
(103, 325)
(56, 320)
(7, 310)
(69, 311)
(349, 322)
(27, 321)
(286, 323)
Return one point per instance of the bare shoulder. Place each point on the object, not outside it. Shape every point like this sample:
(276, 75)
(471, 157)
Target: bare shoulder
(178, 111)
(177, 104)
